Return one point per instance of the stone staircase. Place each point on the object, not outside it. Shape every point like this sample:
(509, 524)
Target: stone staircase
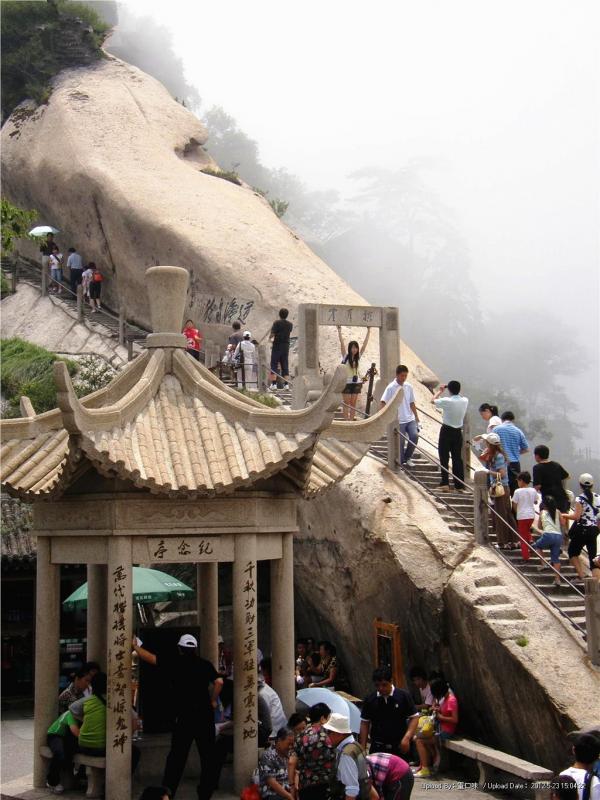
(104, 322)
(456, 508)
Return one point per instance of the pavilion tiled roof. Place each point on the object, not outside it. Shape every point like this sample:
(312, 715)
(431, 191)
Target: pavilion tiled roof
(167, 424)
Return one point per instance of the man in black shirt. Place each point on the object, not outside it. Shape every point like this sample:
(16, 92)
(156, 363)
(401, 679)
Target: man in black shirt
(389, 715)
(280, 334)
(549, 476)
(194, 684)
(237, 335)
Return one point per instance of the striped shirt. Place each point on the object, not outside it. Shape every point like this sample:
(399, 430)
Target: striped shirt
(512, 439)
(386, 769)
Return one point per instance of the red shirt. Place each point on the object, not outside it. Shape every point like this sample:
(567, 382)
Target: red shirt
(192, 342)
(447, 706)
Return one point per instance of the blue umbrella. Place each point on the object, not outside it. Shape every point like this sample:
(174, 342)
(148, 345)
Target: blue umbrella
(335, 702)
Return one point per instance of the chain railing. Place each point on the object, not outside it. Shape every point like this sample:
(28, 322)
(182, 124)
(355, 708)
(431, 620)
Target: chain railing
(541, 559)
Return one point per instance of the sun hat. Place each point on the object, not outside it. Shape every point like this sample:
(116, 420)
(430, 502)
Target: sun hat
(338, 723)
(585, 479)
(491, 438)
(187, 640)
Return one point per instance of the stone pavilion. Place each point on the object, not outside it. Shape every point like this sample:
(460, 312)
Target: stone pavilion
(163, 465)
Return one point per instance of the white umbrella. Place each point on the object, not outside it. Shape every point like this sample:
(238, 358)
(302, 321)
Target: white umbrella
(335, 702)
(41, 230)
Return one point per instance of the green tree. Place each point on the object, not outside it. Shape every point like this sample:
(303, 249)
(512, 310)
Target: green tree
(38, 40)
(15, 223)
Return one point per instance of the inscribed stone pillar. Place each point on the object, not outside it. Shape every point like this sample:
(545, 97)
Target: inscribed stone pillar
(47, 636)
(118, 634)
(245, 611)
(208, 609)
(481, 506)
(96, 614)
(389, 350)
(308, 383)
(282, 624)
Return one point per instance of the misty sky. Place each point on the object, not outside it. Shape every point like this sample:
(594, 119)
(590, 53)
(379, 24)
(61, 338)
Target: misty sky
(500, 100)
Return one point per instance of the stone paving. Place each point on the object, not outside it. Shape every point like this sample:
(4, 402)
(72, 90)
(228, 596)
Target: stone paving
(17, 747)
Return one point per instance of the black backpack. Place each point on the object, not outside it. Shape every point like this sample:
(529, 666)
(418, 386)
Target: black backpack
(587, 784)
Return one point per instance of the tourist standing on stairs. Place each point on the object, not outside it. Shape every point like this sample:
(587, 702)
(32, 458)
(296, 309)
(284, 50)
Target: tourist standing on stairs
(280, 351)
(489, 413)
(245, 353)
(549, 478)
(454, 409)
(46, 250)
(524, 501)
(351, 360)
(95, 287)
(503, 519)
(551, 534)
(55, 263)
(75, 265)
(408, 417)
(514, 445)
(193, 338)
(584, 531)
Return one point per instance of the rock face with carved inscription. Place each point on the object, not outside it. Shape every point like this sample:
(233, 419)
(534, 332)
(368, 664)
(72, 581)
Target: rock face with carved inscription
(126, 187)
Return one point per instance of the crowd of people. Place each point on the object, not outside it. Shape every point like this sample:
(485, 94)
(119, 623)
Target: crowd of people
(88, 276)
(312, 755)
(529, 510)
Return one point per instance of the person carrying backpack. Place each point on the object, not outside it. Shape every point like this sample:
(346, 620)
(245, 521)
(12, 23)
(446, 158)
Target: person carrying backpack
(95, 286)
(352, 776)
(586, 750)
(584, 531)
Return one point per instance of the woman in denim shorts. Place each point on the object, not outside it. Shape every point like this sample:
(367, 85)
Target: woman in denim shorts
(551, 534)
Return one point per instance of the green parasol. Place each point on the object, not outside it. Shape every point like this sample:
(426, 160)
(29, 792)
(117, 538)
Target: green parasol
(149, 586)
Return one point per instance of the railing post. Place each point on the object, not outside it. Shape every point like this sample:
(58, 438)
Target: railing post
(79, 302)
(393, 437)
(14, 277)
(262, 367)
(129, 349)
(592, 619)
(481, 509)
(122, 324)
(243, 368)
(371, 374)
(44, 280)
(466, 448)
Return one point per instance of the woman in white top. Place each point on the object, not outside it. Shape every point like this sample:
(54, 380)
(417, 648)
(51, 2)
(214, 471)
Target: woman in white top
(587, 513)
(551, 534)
(248, 350)
(351, 360)
(489, 413)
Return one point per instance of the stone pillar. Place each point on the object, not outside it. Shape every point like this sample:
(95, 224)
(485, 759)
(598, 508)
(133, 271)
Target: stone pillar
(481, 506)
(79, 296)
(308, 384)
(393, 437)
(96, 613)
(389, 350)
(466, 449)
(207, 576)
(44, 289)
(245, 612)
(592, 619)
(118, 634)
(282, 624)
(47, 636)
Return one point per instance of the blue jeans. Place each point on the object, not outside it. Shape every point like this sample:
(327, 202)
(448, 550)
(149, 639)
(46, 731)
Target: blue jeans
(551, 540)
(407, 448)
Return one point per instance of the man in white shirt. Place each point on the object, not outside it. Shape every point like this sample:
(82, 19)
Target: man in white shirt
(586, 750)
(454, 409)
(408, 418)
(75, 265)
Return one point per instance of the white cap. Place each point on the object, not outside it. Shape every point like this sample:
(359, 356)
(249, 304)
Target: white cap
(220, 639)
(585, 479)
(187, 640)
(491, 438)
(248, 334)
(338, 723)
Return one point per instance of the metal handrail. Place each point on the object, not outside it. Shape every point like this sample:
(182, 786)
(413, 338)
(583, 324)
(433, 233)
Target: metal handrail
(510, 527)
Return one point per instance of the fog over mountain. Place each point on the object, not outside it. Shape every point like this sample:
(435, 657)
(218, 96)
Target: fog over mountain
(443, 157)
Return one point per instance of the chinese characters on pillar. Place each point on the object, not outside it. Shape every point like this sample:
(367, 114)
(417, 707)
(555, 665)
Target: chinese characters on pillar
(119, 660)
(249, 687)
